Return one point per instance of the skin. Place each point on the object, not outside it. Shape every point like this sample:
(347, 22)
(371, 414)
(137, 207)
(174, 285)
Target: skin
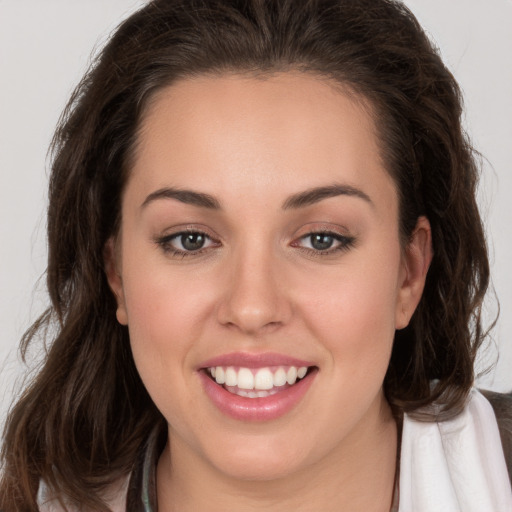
(259, 286)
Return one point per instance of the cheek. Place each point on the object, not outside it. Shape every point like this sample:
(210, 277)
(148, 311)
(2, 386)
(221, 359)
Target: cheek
(166, 318)
(162, 310)
(353, 312)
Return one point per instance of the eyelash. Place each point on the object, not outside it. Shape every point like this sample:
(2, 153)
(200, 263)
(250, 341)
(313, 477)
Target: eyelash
(344, 243)
(165, 242)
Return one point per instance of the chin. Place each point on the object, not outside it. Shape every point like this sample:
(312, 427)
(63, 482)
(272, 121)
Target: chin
(257, 463)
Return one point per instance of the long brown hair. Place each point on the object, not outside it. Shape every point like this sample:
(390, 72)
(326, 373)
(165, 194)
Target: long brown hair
(81, 421)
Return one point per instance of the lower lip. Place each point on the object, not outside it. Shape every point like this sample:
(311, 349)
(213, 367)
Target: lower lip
(256, 409)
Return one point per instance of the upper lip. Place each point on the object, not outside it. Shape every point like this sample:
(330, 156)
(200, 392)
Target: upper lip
(251, 360)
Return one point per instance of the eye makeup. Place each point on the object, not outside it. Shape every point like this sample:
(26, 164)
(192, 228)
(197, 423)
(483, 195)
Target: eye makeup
(325, 242)
(193, 241)
(186, 243)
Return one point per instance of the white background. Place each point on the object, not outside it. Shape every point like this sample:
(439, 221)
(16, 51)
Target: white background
(45, 47)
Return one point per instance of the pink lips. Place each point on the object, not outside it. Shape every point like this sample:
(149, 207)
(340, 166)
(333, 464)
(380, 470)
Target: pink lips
(255, 409)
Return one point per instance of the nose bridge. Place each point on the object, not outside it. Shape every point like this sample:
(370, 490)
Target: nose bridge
(255, 298)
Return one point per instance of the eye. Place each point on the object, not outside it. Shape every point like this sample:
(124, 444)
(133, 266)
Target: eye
(324, 242)
(186, 243)
(189, 241)
(320, 241)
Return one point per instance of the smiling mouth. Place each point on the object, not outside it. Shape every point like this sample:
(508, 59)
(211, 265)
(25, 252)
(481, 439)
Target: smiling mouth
(257, 382)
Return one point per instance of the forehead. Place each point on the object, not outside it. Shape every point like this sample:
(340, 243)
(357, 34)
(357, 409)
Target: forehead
(251, 135)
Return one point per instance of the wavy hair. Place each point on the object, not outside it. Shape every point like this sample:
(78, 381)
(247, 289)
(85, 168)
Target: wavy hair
(80, 422)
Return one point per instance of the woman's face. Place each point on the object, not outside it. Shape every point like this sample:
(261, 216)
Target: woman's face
(260, 238)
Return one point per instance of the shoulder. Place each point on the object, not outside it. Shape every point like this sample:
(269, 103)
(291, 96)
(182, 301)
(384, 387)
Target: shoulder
(501, 402)
(502, 405)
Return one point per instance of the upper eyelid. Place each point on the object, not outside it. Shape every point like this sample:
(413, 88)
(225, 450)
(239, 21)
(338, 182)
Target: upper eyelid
(323, 232)
(323, 226)
(185, 229)
(334, 234)
(340, 232)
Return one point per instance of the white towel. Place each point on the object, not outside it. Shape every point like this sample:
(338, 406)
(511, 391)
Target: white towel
(456, 465)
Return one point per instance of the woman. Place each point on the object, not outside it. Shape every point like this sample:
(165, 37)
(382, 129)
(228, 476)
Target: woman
(266, 268)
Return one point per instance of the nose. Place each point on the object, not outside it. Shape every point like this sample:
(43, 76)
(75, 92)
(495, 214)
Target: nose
(255, 299)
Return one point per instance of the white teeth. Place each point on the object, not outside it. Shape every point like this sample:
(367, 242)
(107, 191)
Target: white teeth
(231, 377)
(291, 375)
(252, 394)
(220, 377)
(264, 379)
(280, 377)
(301, 372)
(246, 379)
(261, 380)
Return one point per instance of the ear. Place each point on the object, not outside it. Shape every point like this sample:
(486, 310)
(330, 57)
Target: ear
(416, 259)
(111, 261)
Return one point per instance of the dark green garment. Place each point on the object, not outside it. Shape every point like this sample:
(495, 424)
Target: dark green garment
(141, 496)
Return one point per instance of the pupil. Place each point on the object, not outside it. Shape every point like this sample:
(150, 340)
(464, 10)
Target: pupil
(321, 242)
(192, 241)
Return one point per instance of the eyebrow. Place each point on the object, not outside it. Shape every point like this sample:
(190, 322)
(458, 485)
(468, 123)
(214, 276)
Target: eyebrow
(299, 200)
(184, 196)
(317, 194)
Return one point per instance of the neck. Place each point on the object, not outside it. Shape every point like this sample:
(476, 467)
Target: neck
(340, 481)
